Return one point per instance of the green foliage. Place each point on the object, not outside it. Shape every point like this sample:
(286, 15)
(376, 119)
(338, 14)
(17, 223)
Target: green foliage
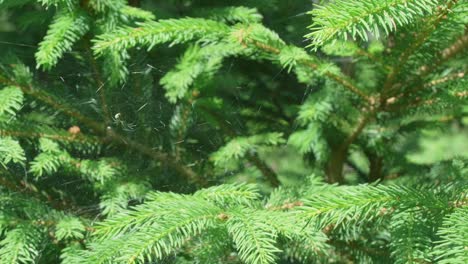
(238, 147)
(137, 13)
(105, 5)
(11, 100)
(201, 132)
(239, 194)
(149, 34)
(11, 151)
(452, 247)
(69, 228)
(253, 239)
(49, 3)
(192, 65)
(64, 31)
(21, 245)
(49, 160)
(340, 18)
(251, 231)
(310, 140)
(233, 14)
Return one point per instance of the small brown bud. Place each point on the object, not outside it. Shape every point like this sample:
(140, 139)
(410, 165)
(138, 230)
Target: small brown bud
(423, 68)
(74, 130)
(383, 211)
(328, 228)
(223, 217)
(391, 100)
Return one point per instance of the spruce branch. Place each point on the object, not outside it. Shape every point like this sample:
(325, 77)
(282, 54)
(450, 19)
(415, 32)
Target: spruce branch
(343, 18)
(182, 30)
(445, 79)
(189, 226)
(11, 100)
(233, 14)
(11, 152)
(231, 194)
(392, 103)
(227, 94)
(431, 25)
(309, 63)
(58, 3)
(23, 187)
(457, 47)
(66, 29)
(21, 245)
(50, 100)
(65, 136)
(171, 31)
(108, 134)
(156, 229)
(452, 246)
(266, 171)
(420, 38)
(347, 204)
(253, 239)
(138, 13)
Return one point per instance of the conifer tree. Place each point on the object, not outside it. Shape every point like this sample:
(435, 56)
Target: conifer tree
(241, 131)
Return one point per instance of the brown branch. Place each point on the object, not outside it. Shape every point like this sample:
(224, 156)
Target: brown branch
(162, 157)
(32, 191)
(70, 138)
(458, 46)
(357, 131)
(391, 105)
(100, 129)
(335, 165)
(420, 102)
(53, 102)
(339, 79)
(404, 57)
(447, 78)
(375, 167)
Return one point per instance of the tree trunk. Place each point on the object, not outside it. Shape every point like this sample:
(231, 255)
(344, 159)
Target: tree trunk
(335, 166)
(338, 156)
(375, 170)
